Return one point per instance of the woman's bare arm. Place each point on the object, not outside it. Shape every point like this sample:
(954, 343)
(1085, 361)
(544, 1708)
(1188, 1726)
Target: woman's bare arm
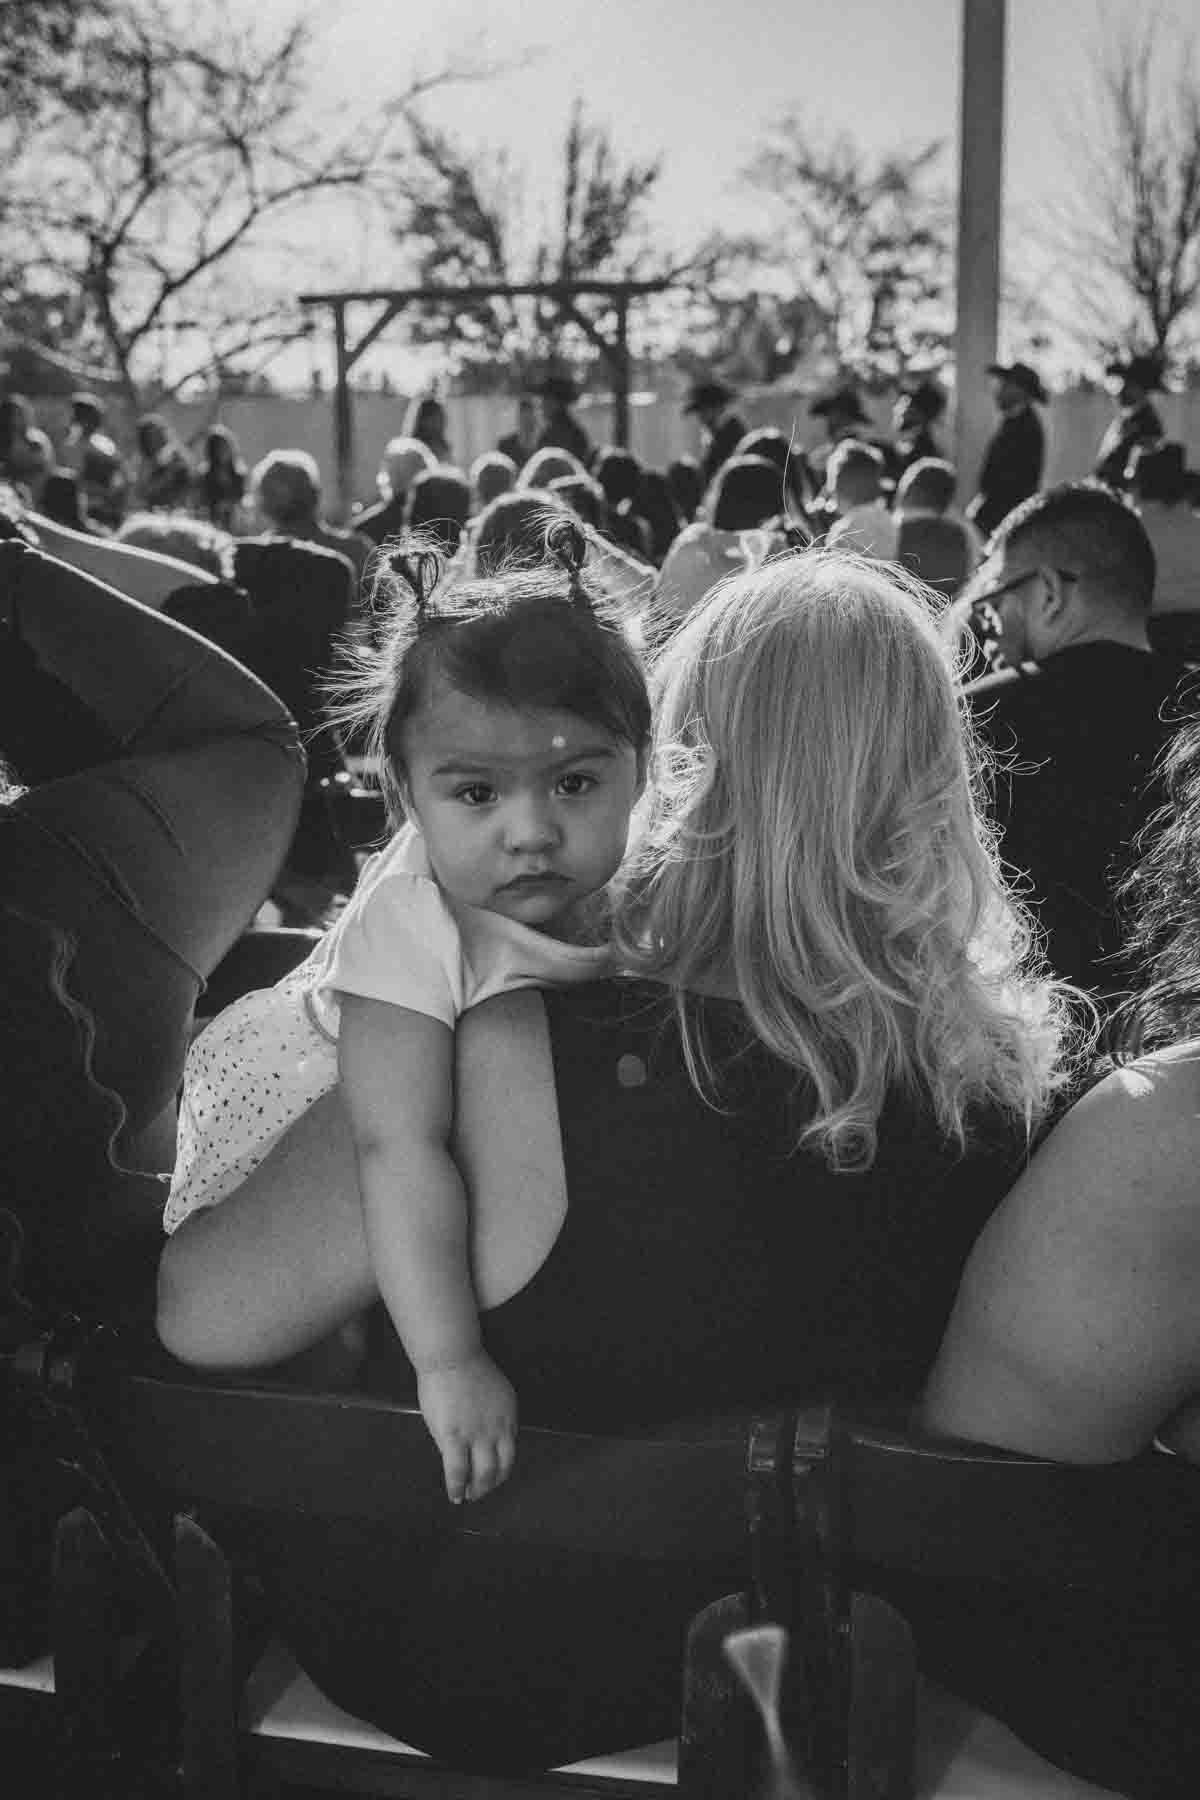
(1076, 1332)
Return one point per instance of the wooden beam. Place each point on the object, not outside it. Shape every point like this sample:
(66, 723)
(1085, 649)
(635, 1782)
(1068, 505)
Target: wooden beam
(343, 413)
(981, 169)
(372, 332)
(619, 358)
(489, 290)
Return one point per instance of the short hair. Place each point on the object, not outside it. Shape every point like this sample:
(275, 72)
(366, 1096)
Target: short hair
(1082, 526)
(512, 528)
(86, 406)
(686, 484)
(928, 482)
(528, 635)
(177, 534)
(856, 471)
(584, 496)
(492, 473)
(746, 492)
(288, 486)
(402, 459)
(439, 502)
(619, 473)
(789, 458)
(839, 872)
(545, 464)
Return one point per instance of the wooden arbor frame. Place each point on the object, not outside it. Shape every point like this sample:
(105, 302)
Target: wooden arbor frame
(392, 301)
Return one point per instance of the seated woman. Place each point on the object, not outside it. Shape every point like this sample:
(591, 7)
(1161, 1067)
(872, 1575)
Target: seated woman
(750, 1170)
(1076, 1336)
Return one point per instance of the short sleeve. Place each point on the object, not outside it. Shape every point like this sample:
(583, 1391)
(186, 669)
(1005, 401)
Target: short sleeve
(400, 944)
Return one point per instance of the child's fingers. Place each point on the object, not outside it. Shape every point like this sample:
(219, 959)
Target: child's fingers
(506, 1455)
(485, 1469)
(456, 1463)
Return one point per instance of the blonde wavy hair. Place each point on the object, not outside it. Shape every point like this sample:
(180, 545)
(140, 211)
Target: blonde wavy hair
(812, 845)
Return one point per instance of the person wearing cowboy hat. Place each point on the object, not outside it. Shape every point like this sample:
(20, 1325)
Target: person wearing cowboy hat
(561, 430)
(1013, 461)
(919, 404)
(1137, 422)
(710, 400)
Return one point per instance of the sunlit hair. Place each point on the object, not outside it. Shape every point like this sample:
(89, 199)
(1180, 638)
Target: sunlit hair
(812, 844)
(533, 636)
(1161, 898)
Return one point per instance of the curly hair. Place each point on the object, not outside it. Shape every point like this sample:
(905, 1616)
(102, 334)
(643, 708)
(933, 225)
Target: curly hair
(1160, 897)
(812, 845)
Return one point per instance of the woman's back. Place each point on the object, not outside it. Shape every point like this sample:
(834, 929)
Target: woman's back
(702, 1264)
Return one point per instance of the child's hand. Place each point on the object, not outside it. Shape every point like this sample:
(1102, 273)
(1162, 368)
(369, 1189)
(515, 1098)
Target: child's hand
(471, 1411)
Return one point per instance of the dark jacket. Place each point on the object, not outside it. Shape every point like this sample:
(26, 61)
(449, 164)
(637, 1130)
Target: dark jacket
(1012, 468)
(721, 446)
(1127, 430)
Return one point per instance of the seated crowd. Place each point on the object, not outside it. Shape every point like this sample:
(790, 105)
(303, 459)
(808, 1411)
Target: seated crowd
(776, 978)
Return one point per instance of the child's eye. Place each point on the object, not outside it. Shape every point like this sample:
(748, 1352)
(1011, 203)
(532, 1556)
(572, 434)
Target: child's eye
(575, 783)
(475, 793)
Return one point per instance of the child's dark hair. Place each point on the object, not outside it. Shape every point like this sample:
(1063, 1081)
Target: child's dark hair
(530, 637)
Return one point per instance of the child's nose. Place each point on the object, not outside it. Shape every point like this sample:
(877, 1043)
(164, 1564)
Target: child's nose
(532, 826)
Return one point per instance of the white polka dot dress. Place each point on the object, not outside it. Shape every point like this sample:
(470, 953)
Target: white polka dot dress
(249, 1075)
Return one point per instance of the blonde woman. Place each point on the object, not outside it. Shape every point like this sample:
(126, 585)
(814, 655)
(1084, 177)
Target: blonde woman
(751, 1169)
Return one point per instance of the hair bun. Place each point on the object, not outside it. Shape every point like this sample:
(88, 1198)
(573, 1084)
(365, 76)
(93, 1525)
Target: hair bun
(420, 568)
(565, 540)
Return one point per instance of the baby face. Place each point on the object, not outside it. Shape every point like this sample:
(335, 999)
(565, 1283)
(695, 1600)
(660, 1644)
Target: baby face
(523, 813)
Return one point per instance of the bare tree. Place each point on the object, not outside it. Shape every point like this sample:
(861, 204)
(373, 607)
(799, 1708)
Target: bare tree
(463, 217)
(197, 138)
(854, 267)
(1128, 237)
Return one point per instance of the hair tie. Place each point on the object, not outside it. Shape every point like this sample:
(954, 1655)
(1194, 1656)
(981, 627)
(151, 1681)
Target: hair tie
(566, 542)
(420, 570)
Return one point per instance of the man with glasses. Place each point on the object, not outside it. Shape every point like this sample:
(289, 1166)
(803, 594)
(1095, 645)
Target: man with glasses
(1077, 708)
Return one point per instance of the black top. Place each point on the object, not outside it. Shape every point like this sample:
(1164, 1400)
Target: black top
(383, 520)
(1012, 468)
(1140, 425)
(1080, 735)
(703, 1263)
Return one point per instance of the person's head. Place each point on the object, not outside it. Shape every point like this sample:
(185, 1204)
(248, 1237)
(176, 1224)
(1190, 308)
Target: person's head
(1158, 472)
(855, 474)
(927, 484)
(86, 412)
(62, 499)
(426, 421)
(513, 528)
(16, 417)
(221, 449)
(584, 496)
(438, 504)
(1133, 380)
(492, 473)
(510, 718)
(152, 433)
(1070, 565)
(812, 846)
(709, 400)
(842, 411)
(918, 405)
(545, 465)
(746, 491)
(177, 534)
(789, 459)
(286, 488)
(403, 459)
(527, 418)
(1015, 386)
(656, 505)
(619, 473)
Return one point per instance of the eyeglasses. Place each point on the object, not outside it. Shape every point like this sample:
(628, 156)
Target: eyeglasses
(988, 598)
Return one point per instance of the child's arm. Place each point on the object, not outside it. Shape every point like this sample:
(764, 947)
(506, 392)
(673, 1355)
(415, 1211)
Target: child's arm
(397, 1078)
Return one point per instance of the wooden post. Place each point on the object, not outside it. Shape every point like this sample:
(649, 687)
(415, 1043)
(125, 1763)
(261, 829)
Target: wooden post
(620, 369)
(981, 168)
(343, 413)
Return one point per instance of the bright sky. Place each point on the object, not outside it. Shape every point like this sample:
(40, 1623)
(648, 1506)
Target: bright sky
(697, 81)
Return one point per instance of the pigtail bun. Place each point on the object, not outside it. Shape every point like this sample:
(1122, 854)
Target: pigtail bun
(567, 544)
(420, 568)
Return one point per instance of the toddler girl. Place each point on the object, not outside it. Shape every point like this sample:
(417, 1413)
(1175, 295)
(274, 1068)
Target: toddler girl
(509, 718)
